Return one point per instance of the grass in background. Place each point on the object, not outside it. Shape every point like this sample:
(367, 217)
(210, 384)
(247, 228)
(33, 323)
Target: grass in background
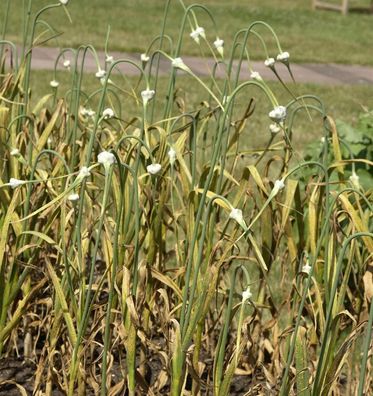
(351, 101)
(151, 244)
(309, 36)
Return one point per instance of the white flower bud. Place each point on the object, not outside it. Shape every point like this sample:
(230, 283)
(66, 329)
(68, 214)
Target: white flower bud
(219, 45)
(66, 64)
(144, 58)
(274, 128)
(306, 269)
(279, 185)
(246, 294)
(83, 111)
(178, 63)
(269, 62)
(172, 155)
(256, 76)
(153, 169)
(197, 33)
(100, 73)
(14, 152)
(236, 214)
(73, 197)
(105, 158)
(108, 113)
(54, 84)
(64, 2)
(278, 114)
(147, 95)
(354, 179)
(14, 183)
(109, 59)
(283, 57)
(84, 172)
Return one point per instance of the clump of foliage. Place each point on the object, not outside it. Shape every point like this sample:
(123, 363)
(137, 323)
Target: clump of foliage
(158, 252)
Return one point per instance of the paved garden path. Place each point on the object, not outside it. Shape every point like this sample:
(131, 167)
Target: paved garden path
(326, 74)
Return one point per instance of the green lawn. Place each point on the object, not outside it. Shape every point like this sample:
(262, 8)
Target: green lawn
(321, 36)
(341, 102)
